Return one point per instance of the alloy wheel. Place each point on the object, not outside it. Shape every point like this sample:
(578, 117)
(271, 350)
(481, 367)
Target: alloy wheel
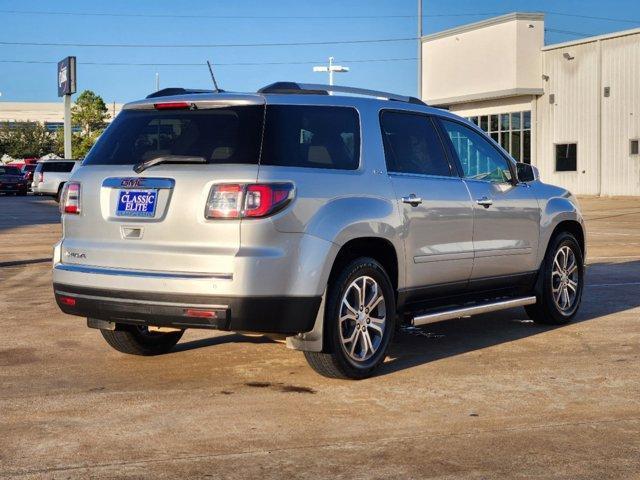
(362, 319)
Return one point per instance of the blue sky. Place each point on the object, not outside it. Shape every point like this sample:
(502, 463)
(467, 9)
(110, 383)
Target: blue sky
(36, 81)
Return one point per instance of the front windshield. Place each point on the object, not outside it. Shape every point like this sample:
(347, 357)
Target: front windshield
(9, 171)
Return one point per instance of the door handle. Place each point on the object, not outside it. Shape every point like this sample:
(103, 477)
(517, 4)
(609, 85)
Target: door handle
(412, 200)
(486, 202)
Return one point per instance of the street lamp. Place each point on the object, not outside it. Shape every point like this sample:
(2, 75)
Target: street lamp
(331, 69)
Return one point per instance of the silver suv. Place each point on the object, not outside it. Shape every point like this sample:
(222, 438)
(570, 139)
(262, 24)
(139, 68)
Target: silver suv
(330, 220)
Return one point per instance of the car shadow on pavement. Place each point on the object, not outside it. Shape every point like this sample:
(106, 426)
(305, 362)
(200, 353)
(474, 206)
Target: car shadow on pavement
(610, 288)
(220, 340)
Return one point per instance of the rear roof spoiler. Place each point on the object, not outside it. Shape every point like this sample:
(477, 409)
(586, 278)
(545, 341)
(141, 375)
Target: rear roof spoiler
(317, 89)
(171, 91)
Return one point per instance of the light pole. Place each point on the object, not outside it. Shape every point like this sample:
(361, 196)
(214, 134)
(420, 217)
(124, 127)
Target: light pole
(419, 48)
(331, 69)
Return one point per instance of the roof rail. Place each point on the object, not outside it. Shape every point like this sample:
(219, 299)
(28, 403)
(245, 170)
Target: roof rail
(318, 89)
(167, 92)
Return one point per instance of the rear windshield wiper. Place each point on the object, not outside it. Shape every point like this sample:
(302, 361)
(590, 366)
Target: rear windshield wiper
(142, 166)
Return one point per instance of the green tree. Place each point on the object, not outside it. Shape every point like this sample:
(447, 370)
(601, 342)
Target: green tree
(81, 143)
(89, 112)
(25, 139)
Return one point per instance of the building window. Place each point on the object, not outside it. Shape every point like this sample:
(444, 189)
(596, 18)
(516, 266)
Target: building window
(634, 148)
(566, 157)
(512, 131)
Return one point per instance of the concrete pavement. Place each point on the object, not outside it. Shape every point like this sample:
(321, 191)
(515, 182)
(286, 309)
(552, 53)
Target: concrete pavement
(493, 396)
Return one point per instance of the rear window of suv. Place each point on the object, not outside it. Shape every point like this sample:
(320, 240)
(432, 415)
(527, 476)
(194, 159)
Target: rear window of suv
(64, 167)
(298, 136)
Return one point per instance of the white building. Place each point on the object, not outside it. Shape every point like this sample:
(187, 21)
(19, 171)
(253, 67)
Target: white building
(572, 109)
(50, 114)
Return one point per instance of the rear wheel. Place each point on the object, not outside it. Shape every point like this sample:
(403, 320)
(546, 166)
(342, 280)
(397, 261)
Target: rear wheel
(359, 322)
(138, 340)
(562, 274)
(59, 194)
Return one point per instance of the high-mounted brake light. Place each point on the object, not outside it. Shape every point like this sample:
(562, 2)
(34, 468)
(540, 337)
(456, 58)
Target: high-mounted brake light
(171, 105)
(253, 200)
(70, 198)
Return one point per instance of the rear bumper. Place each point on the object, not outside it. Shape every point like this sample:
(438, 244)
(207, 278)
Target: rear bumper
(281, 315)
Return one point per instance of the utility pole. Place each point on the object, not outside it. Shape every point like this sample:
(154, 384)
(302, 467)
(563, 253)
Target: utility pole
(419, 48)
(157, 81)
(331, 69)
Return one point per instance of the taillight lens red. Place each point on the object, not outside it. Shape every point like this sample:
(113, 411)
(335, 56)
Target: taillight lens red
(70, 198)
(253, 200)
(69, 301)
(38, 177)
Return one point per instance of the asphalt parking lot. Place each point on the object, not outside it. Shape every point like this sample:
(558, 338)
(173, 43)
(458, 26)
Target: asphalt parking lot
(486, 397)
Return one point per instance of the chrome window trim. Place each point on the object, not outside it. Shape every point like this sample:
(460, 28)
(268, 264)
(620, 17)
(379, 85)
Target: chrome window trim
(424, 175)
(146, 182)
(67, 267)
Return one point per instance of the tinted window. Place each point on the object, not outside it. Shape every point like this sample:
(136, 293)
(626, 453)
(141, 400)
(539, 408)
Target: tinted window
(566, 157)
(57, 166)
(9, 171)
(480, 160)
(412, 145)
(220, 135)
(311, 136)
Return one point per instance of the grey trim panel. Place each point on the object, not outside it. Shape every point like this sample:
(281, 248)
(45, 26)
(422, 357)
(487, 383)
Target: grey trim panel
(141, 273)
(140, 302)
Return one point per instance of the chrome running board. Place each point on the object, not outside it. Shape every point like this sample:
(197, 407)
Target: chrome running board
(472, 310)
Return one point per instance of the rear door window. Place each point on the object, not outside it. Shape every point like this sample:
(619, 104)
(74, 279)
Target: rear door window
(219, 135)
(312, 136)
(412, 144)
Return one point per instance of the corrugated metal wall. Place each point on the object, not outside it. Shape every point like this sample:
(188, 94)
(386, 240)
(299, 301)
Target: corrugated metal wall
(572, 118)
(620, 115)
(605, 163)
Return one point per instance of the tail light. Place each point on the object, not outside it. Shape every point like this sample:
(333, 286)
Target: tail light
(253, 200)
(38, 177)
(70, 198)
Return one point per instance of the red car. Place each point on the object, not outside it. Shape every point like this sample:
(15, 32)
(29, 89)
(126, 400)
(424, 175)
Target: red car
(27, 171)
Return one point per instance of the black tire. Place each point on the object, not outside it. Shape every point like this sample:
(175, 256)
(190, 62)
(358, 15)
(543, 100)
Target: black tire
(59, 194)
(136, 340)
(334, 361)
(546, 311)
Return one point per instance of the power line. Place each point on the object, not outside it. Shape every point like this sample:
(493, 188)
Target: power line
(212, 45)
(593, 17)
(235, 64)
(297, 17)
(240, 17)
(569, 32)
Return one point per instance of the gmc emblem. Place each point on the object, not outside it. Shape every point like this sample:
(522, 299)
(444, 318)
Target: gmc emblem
(132, 182)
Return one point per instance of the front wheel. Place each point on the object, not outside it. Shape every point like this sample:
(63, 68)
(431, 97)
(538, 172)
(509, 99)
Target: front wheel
(359, 320)
(562, 282)
(138, 340)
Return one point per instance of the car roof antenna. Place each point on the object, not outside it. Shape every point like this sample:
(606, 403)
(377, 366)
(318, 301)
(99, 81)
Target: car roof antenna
(213, 77)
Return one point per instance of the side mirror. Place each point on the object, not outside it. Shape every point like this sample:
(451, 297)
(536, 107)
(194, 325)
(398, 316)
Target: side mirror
(526, 173)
